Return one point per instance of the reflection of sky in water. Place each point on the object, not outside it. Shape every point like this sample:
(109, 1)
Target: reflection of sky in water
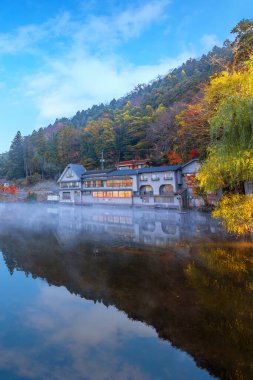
(47, 333)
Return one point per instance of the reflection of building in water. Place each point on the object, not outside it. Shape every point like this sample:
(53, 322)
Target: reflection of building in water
(156, 228)
(135, 226)
(129, 226)
(152, 228)
(159, 229)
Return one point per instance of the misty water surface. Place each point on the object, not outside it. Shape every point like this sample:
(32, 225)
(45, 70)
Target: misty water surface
(90, 293)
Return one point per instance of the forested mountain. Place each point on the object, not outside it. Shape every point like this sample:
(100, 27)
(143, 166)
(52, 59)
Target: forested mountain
(178, 85)
(163, 121)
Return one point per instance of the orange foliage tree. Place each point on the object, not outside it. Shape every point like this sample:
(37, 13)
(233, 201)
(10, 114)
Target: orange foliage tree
(193, 127)
(174, 158)
(12, 189)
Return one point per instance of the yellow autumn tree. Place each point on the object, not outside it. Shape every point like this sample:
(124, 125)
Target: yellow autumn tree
(230, 83)
(230, 157)
(236, 213)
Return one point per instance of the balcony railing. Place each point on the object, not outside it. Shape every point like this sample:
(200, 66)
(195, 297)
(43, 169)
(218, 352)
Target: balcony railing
(93, 186)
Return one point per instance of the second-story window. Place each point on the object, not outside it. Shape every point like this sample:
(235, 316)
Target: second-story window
(143, 178)
(168, 176)
(69, 185)
(74, 184)
(155, 177)
(98, 183)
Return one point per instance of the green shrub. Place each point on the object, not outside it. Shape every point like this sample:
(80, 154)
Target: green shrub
(31, 197)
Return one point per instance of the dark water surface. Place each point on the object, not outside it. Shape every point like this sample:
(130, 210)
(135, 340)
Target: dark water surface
(104, 294)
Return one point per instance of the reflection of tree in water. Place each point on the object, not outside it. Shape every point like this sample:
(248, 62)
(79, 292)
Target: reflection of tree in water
(223, 280)
(201, 304)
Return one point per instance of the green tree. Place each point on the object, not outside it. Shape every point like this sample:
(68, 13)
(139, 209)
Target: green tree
(67, 146)
(99, 136)
(3, 164)
(41, 150)
(243, 44)
(16, 158)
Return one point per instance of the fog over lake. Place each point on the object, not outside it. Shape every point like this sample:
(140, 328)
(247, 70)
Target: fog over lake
(119, 293)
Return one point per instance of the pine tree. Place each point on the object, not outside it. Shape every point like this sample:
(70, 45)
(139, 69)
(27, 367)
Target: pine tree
(16, 158)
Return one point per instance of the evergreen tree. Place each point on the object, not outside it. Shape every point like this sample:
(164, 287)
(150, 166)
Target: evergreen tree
(16, 158)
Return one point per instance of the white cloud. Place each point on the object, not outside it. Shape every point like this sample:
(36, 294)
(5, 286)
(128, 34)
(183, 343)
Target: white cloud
(104, 30)
(78, 83)
(130, 22)
(81, 66)
(23, 40)
(67, 337)
(102, 325)
(96, 336)
(209, 41)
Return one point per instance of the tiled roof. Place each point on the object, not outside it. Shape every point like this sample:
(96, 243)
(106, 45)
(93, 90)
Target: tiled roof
(99, 172)
(189, 162)
(159, 169)
(145, 170)
(77, 169)
(123, 172)
(80, 171)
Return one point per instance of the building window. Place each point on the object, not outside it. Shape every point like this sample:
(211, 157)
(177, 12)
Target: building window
(155, 177)
(125, 194)
(74, 184)
(66, 195)
(168, 176)
(143, 178)
(86, 193)
(112, 194)
(98, 183)
(69, 185)
(119, 182)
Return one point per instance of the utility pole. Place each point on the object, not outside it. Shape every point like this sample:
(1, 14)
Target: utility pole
(102, 160)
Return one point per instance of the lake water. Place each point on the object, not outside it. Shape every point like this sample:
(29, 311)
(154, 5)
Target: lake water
(104, 294)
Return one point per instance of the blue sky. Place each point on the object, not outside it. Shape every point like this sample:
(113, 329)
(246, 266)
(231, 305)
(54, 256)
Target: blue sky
(61, 56)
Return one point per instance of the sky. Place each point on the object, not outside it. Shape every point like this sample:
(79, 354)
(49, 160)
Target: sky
(61, 56)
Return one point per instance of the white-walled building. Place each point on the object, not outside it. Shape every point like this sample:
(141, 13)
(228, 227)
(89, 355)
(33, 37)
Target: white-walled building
(156, 186)
(70, 183)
